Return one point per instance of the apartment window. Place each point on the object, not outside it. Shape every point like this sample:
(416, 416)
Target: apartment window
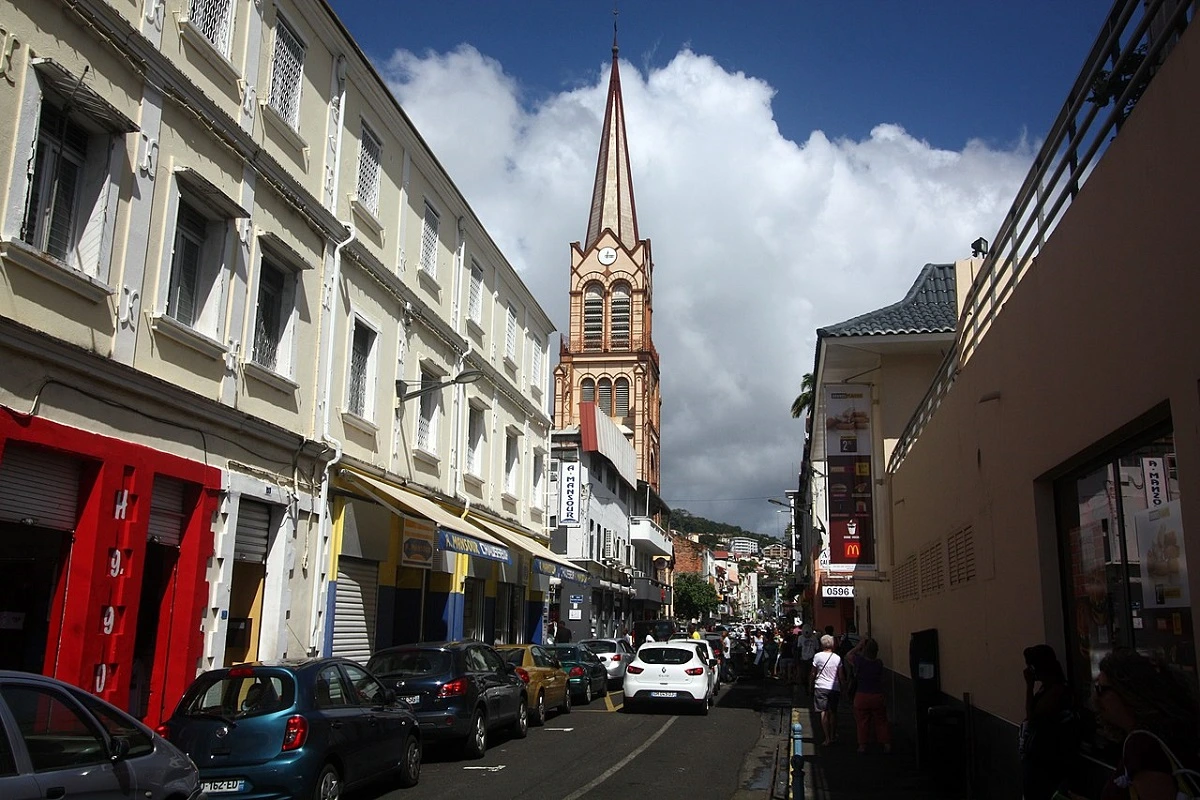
(620, 316)
(270, 318)
(510, 334)
(621, 387)
(475, 300)
(539, 480)
(74, 178)
(194, 266)
(593, 317)
(213, 18)
(587, 390)
(511, 462)
(535, 369)
(604, 397)
(429, 241)
(428, 419)
(475, 441)
(287, 74)
(370, 156)
(362, 370)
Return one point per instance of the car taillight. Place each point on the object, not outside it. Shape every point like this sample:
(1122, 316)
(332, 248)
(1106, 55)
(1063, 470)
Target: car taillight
(163, 731)
(454, 688)
(576, 672)
(695, 671)
(523, 674)
(241, 672)
(616, 657)
(635, 670)
(295, 732)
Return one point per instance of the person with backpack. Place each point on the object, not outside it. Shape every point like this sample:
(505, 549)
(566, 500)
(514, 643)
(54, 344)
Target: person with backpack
(826, 686)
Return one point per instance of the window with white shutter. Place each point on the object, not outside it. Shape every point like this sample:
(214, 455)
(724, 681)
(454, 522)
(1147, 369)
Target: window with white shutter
(475, 442)
(510, 334)
(370, 157)
(429, 241)
(539, 481)
(475, 301)
(428, 419)
(622, 396)
(587, 390)
(510, 464)
(287, 74)
(604, 397)
(535, 368)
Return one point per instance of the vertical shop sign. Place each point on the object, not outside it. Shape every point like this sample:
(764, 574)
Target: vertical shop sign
(849, 480)
(569, 478)
(1163, 559)
(1155, 477)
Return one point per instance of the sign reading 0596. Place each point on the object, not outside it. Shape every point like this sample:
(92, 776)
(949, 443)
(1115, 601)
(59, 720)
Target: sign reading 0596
(837, 591)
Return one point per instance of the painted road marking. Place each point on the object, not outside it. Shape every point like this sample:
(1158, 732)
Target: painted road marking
(488, 769)
(575, 795)
(558, 729)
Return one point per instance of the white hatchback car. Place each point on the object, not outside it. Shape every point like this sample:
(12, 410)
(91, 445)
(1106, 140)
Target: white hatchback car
(669, 672)
(706, 655)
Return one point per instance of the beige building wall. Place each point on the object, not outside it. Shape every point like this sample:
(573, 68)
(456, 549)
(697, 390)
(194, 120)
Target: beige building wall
(1096, 337)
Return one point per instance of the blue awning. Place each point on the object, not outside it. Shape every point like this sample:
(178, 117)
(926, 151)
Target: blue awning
(461, 543)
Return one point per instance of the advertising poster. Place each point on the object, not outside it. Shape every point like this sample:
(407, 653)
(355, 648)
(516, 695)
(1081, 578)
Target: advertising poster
(1164, 563)
(416, 550)
(849, 480)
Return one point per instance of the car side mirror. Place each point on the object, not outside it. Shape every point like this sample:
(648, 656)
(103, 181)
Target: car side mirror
(118, 748)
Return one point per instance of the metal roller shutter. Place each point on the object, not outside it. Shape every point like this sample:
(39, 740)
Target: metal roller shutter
(253, 531)
(39, 484)
(354, 608)
(166, 511)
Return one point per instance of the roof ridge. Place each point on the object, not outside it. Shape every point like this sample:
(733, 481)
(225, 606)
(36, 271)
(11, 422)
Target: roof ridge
(905, 316)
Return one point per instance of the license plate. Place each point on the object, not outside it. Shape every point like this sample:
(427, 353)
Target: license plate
(223, 787)
(662, 694)
(412, 699)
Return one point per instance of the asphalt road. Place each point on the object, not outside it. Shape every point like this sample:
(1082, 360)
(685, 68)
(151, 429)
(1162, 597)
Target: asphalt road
(601, 750)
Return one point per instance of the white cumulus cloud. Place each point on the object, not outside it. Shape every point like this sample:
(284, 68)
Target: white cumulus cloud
(758, 240)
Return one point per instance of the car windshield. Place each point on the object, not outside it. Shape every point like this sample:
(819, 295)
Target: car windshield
(410, 663)
(513, 655)
(664, 655)
(565, 653)
(238, 693)
(601, 646)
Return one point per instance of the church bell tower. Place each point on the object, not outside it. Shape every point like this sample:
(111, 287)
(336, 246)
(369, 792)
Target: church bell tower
(608, 356)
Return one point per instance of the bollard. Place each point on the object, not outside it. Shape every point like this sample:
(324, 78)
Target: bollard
(797, 760)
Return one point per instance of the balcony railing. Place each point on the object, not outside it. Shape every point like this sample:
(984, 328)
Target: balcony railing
(1135, 40)
(648, 537)
(581, 344)
(651, 590)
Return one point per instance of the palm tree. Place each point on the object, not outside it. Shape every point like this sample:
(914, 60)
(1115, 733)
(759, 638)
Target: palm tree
(804, 402)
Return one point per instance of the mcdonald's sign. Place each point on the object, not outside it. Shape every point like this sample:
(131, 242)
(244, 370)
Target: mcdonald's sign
(853, 550)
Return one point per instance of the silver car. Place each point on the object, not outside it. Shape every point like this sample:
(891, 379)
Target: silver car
(615, 653)
(57, 740)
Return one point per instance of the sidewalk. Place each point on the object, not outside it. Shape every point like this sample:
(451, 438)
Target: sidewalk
(839, 772)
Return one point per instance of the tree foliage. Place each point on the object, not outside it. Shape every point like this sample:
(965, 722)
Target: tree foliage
(694, 596)
(804, 401)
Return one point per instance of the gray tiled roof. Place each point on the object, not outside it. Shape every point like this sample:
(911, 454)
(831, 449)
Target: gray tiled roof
(931, 306)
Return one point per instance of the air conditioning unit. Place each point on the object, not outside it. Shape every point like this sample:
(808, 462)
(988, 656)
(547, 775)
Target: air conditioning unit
(609, 548)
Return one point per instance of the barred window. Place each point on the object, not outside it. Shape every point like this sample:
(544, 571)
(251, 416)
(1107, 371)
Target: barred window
(361, 356)
(427, 422)
(620, 316)
(475, 301)
(587, 390)
(270, 319)
(622, 398)
(287, 74)
(213, 18)
(429, 241)
(191, 233)
(593, 317)
(370, 156)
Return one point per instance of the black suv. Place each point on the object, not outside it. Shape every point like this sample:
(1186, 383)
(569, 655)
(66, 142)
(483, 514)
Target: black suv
(458, 690)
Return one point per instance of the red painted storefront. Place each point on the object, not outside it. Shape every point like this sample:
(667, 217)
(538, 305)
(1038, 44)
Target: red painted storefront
(97, 597)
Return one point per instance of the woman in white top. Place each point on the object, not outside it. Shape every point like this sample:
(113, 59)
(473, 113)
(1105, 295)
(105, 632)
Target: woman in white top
(827, 687)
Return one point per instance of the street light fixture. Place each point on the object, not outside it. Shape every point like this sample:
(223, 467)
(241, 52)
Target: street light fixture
(466, 376)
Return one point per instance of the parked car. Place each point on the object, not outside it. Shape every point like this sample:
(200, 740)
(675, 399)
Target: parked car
(57, 740)
(545, 679)
(705, 651)
(615, 653)
(585, 671)
(292, 729)
(670, 672)
(460, 691)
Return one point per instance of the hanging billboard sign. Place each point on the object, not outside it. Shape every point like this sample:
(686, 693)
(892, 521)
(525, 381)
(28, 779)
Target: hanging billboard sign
(570, 480)
(849, 482)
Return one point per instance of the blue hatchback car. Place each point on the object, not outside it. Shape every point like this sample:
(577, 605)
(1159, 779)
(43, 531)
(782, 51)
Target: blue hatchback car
(294, 729)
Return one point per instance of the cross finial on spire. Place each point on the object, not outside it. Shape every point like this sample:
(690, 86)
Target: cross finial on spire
(615, 13)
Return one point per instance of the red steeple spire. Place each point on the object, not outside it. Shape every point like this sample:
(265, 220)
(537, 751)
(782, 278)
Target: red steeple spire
(612, 197)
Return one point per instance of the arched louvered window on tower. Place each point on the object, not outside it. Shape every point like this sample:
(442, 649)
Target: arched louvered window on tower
(593, 317)
(604, 397)
(587, 389)
(621, 315)
(621, 387)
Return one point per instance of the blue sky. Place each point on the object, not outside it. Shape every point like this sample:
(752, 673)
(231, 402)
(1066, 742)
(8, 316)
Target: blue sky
(794, 164)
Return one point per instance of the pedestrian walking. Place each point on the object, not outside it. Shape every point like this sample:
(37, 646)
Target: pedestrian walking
(1048, 741)
(770, 654)
(787, 658)
(809, 645)
(870, 706)
(826, 687)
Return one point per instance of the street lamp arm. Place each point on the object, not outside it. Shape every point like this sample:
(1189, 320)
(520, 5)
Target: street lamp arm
(466, 376)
